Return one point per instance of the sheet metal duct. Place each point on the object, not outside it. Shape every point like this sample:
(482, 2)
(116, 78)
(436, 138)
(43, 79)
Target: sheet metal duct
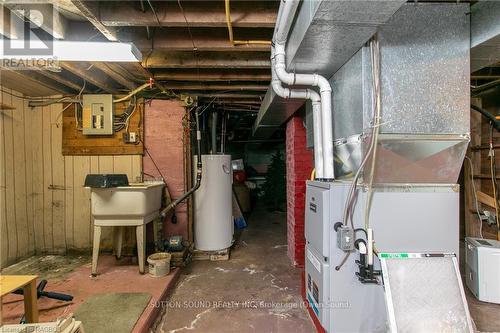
(485, 34)
(425, 98)
(325, 35)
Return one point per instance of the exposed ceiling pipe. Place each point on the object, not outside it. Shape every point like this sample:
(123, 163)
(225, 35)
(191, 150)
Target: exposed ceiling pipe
(284, 21)
(230, 30)
(214, 132)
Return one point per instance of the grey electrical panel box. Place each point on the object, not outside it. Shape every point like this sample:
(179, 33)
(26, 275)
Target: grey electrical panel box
(97, 116)
(345, 238)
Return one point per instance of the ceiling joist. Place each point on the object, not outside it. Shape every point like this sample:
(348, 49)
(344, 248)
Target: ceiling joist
(85, 71)
(115, 75)
(43, 16)
(206, 39)
(253, 14)
(227, 60)
(208, 74)
(90, 10)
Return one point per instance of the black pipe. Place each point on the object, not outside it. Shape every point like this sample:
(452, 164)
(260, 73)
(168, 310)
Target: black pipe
(494, 122)
(199, 165)
(214, 132)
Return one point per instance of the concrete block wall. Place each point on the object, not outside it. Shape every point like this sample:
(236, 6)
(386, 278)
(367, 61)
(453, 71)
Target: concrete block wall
(299, 164)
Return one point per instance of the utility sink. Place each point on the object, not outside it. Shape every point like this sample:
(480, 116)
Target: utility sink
(136, 204)
(124, 206)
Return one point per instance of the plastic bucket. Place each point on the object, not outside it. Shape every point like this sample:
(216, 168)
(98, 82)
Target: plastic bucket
(159, 264)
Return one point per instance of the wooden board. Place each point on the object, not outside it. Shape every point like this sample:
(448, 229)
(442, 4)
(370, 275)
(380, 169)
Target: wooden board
(44, 207)
(75, 143)
(211, 255)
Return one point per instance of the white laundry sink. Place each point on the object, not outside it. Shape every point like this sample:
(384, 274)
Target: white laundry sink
(136, 204)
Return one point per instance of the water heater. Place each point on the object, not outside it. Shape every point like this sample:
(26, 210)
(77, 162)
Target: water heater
(213, 225)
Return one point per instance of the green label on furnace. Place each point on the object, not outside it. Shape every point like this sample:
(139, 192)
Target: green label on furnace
(394, 255)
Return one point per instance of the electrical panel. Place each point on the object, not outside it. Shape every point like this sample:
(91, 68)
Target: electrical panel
(97, 116)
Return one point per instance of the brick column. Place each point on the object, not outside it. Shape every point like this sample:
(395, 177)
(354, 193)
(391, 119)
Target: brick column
(299, 164)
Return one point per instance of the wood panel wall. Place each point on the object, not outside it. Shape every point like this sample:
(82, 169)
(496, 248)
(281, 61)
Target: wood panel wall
(44, 207)
(74, 142)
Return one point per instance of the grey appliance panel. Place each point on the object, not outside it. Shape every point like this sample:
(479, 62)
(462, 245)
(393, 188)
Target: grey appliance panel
(361, 299)
(471, 267)
(317, 216)
(405, 218)
(317, 279)
(416, 221)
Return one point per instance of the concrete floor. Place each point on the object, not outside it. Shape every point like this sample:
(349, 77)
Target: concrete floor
(255, 291)
(71, 275)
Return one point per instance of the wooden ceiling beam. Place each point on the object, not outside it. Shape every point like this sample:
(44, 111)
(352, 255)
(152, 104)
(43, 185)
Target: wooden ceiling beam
(205, 39)
(159, 59)
(236, 102)
(228, 95)
(112, 73)
(59, 78)
(240, 110)
(90, 10)
(88, 74)
(51, 21)
(38, 78)
(204, 86)
(214, 75)
(11, 26)
(256, 14)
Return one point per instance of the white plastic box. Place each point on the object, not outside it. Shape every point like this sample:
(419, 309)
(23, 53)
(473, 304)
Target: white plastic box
(482, 268)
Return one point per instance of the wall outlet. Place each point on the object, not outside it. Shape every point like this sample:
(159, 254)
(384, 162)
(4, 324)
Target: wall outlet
(130, 137)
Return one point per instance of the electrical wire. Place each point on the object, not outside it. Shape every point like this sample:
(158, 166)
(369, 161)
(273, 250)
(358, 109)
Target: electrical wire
(350, 203)
(375, 59)
(187, 25)
(132, 93)
(154, 163)
(491, 155)
(208, 105)
(120, 121)
(154, 12)
(475, 196)
(339, 266)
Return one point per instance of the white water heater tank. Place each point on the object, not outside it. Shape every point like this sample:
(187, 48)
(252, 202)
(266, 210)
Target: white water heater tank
(213, 224)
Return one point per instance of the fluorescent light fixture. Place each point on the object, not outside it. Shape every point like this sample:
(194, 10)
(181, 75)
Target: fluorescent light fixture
(63, 50)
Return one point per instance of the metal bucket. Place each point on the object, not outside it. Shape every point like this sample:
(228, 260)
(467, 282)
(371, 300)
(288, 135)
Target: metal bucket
(159, 264)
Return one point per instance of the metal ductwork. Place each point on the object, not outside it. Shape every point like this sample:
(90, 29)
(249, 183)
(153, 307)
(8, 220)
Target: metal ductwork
(324, 35)
(485, 34)
(424, 129)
